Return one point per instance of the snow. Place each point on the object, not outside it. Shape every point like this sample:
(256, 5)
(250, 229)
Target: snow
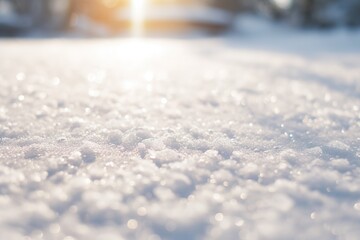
(232, 137)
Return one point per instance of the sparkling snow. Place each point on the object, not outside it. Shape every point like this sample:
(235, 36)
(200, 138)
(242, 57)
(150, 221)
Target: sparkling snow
(228, 138)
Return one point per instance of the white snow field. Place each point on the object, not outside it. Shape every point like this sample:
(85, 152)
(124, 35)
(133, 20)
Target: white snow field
(222, 138)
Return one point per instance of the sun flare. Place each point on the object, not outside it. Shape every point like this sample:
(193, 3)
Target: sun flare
(137, 17)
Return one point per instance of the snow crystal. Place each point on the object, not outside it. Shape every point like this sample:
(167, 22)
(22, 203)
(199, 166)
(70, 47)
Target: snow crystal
(164, 194)
(154, 144)
(55, 165)
(75, 158)
(130, 140)
(33, 152)
(199, 144)
(172, 142)
(337, 149)
(115, 138)
(88, 155)
(224, 147)
(75, 122)
(143, 134)
(142, 149)
(341, 164)
(250, 170)
(165, 156)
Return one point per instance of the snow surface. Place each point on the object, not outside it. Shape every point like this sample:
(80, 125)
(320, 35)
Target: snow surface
(225, 138)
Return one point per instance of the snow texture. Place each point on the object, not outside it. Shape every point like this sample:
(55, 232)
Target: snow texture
(228, 138)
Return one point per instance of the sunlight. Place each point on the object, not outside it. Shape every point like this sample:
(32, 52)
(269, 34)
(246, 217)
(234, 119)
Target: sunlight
(137, 17)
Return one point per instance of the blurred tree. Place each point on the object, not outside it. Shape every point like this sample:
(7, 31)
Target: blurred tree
(57, 13)
(318, 13)
(353, 12)
(228, 5)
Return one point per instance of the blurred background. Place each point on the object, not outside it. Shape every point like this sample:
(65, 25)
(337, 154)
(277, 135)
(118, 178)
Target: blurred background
(138, 17)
